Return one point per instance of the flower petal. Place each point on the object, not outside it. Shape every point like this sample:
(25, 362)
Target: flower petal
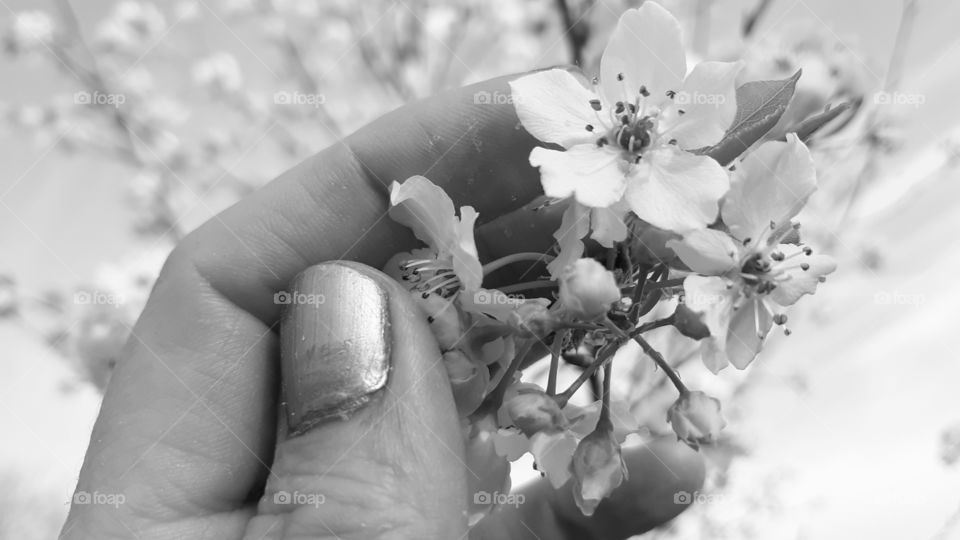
(592, 175)
(801, 281)
(676, 190)
(770, 185)
(646, 47)
(427, 210)
(713, 299)
(553, 453)
(574, 225)
(608, 225)
(748, 328)
(706, 251)
(709, 103)
(466, 262)
(554, 107)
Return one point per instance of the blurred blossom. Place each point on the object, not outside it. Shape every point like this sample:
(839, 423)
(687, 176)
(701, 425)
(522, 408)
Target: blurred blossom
(298, 8)
(218, 73)
(29, 31)
(132, 25)
(104, 313)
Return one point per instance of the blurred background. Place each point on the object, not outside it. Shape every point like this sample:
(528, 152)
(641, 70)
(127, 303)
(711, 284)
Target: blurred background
(124, 125)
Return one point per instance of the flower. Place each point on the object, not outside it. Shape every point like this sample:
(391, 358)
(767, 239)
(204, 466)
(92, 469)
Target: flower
(628, 141)
(29, 31)
(696, 419)
(132, 25)
(598, 469)
(587, 289)
(752, 271)
(553, 449)
(218, 73)
(428, 211)
(533, 411)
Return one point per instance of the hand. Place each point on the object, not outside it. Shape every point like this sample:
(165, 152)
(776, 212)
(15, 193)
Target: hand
(189, 433)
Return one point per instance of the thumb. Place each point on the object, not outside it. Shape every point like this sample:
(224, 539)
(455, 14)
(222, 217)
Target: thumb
(369, 442)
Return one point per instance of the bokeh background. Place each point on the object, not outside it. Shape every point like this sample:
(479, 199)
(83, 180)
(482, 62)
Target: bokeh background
(124, 125)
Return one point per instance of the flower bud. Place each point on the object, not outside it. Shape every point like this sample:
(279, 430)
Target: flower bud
(587, 289)
(532, 319)
(690, 323)
(534, 411)
(696, 418)
(598, 469)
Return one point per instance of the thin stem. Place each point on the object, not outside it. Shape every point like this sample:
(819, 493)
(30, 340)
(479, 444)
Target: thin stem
(495, 398)
(555, 351)
(604, 420)
(661, 361)
(516, 257)
(538, 284)
(652, 353)
(606, 353)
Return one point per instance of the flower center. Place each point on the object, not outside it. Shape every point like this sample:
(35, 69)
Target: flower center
(429, 276)
(630, 125)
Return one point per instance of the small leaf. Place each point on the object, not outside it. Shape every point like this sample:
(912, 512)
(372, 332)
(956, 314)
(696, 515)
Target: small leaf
(811, 125)
(760, 104)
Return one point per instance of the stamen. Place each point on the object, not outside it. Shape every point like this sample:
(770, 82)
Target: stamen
(595, 104)
(589, 127)
(671, 94)
(643, 91)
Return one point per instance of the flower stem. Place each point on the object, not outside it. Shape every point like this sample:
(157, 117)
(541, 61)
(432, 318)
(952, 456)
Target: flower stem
(662, 362)
(517, 287)
(495, 398)
(604, 420)
(516, 257)
(555, 351)
(676, 282)
(652, 353)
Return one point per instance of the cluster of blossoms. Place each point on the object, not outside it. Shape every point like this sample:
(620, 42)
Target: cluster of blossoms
(635, 159)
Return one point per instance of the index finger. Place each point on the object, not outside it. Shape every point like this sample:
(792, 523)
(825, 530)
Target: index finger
(333, 206)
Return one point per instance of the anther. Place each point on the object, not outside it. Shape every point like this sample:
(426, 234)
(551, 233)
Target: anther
(589, 127)
(619, 76)
(643, 91)
(671, 94)
(595, 104)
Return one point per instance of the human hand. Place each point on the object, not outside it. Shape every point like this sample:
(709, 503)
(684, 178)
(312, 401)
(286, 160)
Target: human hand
(189, 432)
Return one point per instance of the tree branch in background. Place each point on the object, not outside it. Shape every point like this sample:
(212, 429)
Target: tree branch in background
(753, 18)
(891, 82)
(575, 30)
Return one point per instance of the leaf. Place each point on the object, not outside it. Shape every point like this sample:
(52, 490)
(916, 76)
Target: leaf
(811, 125)
(760, 104)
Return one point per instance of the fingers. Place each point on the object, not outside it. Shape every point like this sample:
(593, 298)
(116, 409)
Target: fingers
(369, 439)
(333, 206)
(658, 471)
(192, 406)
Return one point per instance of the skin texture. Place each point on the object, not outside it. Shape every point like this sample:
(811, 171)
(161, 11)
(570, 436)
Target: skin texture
(189, 433)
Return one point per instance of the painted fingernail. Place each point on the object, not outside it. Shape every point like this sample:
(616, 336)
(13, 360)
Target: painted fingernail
(334, 344)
